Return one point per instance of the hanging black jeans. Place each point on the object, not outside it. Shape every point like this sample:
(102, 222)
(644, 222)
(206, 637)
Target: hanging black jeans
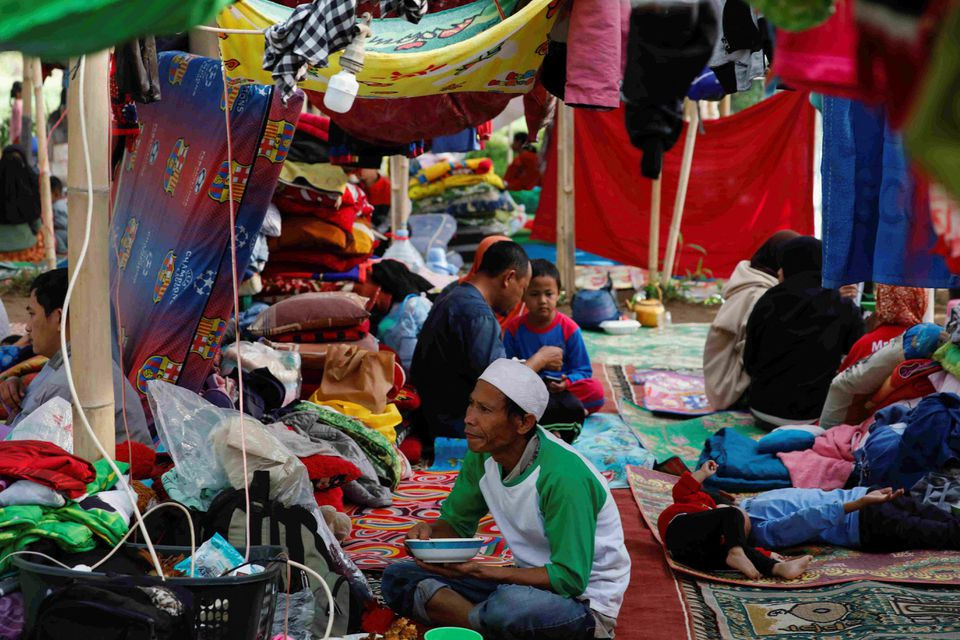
(702, 540)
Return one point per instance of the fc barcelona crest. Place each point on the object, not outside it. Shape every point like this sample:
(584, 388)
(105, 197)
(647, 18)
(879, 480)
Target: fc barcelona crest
(210, 332)
(219, 187)
(158, 368)
(164, 276)
(277, 137)
(171, 175)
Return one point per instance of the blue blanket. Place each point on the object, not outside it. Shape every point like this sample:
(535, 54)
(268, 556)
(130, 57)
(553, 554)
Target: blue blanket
(741, 466)
(876, 220)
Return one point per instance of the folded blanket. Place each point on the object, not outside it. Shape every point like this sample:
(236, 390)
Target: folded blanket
(741, 467)
(827, 464)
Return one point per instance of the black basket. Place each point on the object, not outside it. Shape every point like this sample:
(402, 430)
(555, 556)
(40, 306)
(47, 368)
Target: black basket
(228, 608)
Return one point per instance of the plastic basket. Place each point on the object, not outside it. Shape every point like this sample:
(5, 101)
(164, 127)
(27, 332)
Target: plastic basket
(228, 608)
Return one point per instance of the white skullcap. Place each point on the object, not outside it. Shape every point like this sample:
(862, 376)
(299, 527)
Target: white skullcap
(520, 383)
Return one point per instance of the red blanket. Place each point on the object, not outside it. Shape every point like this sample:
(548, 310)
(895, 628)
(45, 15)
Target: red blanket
(752, 175)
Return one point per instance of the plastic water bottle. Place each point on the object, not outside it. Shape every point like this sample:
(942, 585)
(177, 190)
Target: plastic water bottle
(403, 250)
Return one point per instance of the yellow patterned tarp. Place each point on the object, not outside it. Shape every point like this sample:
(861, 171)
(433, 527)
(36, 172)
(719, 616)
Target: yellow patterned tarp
(503, 58)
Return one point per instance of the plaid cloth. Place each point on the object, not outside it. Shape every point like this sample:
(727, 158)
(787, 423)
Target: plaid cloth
(314, 31)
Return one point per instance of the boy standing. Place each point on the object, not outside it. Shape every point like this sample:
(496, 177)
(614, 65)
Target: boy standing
(574, 393)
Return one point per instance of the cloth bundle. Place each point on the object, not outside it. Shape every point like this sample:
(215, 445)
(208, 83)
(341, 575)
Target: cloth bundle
(315, 323)
(471, 193)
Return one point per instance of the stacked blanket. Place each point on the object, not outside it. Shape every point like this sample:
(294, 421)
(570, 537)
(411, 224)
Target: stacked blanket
(326, 234)
(741, 465)
(470, 192)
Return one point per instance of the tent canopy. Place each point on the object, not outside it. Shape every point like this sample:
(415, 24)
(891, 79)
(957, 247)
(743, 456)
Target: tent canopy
(468, 48)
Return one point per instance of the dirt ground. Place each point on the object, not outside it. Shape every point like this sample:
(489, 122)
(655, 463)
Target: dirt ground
(16, 307)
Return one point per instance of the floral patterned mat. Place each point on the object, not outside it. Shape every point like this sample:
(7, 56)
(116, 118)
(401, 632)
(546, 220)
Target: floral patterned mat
(854, 611)
(831, 565)
(377, 537)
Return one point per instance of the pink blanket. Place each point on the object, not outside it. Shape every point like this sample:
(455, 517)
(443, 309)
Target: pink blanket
(827, 464)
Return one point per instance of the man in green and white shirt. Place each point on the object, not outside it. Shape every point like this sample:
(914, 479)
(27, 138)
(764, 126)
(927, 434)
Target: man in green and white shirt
(555, 512)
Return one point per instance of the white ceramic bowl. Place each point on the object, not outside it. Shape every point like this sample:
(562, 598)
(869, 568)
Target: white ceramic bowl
(439, 550)
(620, 327)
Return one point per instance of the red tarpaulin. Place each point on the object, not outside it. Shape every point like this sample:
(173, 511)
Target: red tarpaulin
(752, 175)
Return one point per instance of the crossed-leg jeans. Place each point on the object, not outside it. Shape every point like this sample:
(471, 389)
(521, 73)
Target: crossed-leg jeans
(502, 611)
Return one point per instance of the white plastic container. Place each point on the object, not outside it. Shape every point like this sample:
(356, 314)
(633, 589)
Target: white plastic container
(403, 250)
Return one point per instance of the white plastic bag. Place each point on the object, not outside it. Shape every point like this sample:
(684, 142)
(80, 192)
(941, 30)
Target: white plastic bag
(283, 365)
(185, 422)
(51, 422)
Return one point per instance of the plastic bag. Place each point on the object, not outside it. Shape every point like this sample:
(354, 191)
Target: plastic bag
(302, 607)
(51, 422)
(184, 423)
(403, 325)
(431, 230)
(283, 365)
(289, 481)
(214, 558)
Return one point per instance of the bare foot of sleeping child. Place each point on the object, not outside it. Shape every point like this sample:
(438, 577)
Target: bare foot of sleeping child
(737, 559)
(790, 569)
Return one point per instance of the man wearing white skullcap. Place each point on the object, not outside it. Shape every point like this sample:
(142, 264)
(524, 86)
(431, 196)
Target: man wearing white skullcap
(554, 510)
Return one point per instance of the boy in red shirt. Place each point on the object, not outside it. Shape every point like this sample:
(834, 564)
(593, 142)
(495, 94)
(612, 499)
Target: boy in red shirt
(704, 535)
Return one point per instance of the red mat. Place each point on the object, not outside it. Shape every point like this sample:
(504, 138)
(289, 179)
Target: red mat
(652, 608)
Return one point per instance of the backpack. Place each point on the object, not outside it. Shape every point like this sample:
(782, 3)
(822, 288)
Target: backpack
(111, 612)
(19, 189)
(294, 528)
(590, 308)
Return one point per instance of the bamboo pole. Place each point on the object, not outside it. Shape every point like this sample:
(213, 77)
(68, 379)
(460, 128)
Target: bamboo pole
(654, 241)
(26, 117)
(725, 107)
(566, 207)
(686, 163)
(399, 197)
(43, 161)
(90, 344)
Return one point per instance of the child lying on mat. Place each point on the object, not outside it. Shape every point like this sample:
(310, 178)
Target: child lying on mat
(574, 393)
(700, 533)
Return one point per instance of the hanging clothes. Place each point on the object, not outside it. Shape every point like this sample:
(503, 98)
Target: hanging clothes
(135, 70)
(314, 31)
(462, 142)
(596, 52)
(346, 149)
(738, 55)
(666, 49)
(876, 212)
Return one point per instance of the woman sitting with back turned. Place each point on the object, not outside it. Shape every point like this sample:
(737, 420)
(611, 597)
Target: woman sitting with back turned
(796, 337)
(723, 372)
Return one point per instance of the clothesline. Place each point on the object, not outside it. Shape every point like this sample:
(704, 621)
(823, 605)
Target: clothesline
(203, 27)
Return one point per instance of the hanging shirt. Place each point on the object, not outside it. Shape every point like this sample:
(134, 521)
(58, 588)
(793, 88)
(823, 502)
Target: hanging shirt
(788, 517)
(521, 340)
(459, 339)
(557, 514)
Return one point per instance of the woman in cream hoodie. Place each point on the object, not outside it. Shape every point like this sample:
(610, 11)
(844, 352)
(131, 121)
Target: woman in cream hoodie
(726, 381)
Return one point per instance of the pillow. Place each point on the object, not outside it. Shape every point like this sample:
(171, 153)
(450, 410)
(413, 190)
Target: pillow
(309, 311)
(786, 440)
(301, 232)
(341, 334)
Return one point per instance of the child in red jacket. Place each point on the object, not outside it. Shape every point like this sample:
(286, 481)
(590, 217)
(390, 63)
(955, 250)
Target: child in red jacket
(699, 533)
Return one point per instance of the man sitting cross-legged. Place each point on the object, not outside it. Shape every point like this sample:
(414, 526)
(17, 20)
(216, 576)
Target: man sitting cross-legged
(555, 512)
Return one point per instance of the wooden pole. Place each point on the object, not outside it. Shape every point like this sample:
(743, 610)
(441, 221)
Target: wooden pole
(686, 162)
(26, 118)
(399, 187)
(725, 107)
(90, 342)
(654, 242)
(566, 208)
(43, 161)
